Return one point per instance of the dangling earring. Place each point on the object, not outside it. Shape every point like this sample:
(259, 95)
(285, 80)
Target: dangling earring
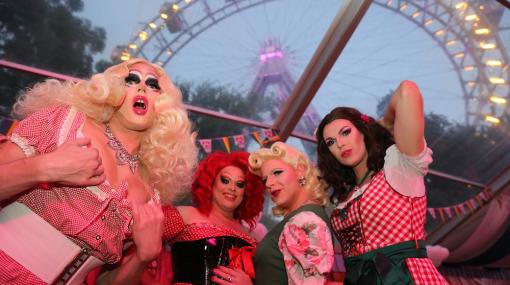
(302, 181)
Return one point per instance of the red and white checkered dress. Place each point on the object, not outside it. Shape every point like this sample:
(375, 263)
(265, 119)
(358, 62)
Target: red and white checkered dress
(97, 220)
(381, 217)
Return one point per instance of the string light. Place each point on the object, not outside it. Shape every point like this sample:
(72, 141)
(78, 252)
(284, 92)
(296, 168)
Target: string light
(492, 119)
(485, 45)
(493, 63)
(125, 56)
(482, 31)
(458, 55)
(472, 17)
(497, 80)
(461, 5)
(143, 35)
(497, 100)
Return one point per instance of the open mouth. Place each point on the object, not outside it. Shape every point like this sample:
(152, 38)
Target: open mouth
(140, 105)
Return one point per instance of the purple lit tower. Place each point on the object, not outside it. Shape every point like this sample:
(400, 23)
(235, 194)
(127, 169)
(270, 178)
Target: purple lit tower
(274, 79)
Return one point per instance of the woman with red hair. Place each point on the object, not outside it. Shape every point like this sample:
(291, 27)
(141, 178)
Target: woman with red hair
(213, 245)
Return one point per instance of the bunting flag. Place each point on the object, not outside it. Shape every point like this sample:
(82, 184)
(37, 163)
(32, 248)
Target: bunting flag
(206, 145)
(239, 141)
(441, 214)
(432, 213)
(226, 142)
(268, 133)
(14, 124)
(256, 136)
(460, 209)
(448, 212)
(457, 211)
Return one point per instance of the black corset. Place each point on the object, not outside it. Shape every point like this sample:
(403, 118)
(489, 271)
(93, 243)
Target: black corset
(193, 261)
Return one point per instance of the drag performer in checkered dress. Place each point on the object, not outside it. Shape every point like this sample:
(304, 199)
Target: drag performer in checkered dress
(133, 117)
(376, 170)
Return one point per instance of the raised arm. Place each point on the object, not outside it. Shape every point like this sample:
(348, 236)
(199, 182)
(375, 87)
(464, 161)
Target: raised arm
(404, 117)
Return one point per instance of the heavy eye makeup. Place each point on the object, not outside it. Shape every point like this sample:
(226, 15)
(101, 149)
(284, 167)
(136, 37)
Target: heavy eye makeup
(152, 83)
(224, 180)
(132, 79)
(329, 142)
(345, 131)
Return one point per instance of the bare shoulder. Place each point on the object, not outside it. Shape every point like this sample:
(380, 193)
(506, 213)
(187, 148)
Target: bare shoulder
(188, 213)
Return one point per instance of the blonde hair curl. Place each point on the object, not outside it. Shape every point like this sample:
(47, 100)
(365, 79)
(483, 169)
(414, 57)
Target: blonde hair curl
(294, 158)
(168, 153)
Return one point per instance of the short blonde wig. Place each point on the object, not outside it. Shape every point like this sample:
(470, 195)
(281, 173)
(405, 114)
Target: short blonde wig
(295, 158)
(168, 153)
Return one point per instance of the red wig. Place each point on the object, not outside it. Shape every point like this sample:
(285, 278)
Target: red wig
(206, 173)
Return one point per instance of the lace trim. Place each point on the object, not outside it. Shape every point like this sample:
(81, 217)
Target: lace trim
(156, 197)
(22, 143)
(201, 230)
(357, 192)
(66, 126)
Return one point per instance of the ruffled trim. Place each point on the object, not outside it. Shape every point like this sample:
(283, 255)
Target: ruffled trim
(22, 143)
(196, 231)
(66, 126)
(358, 192)
(405, 173)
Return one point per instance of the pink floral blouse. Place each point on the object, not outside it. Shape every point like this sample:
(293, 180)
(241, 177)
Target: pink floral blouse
(307, 249)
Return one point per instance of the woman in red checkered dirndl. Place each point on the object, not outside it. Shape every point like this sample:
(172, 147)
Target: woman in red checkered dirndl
(376, 170)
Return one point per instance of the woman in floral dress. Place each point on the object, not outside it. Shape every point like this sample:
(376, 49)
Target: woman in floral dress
(376, 170)
(298, 250)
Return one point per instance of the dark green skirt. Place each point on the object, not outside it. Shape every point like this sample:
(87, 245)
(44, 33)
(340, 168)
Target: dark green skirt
(383, 266)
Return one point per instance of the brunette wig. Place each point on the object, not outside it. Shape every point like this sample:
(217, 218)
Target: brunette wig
(376, 138)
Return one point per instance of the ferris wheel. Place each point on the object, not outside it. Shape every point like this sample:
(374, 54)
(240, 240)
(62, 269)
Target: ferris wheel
(467, 32)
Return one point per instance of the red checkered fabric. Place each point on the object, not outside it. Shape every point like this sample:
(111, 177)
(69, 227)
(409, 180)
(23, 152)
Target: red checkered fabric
(13, 273)
(173, 223)
(97, 220)
(383, 217)
(197, 231)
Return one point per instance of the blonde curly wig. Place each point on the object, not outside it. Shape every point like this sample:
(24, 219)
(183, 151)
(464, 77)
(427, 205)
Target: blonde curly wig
(168, 153)
(295, 158)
